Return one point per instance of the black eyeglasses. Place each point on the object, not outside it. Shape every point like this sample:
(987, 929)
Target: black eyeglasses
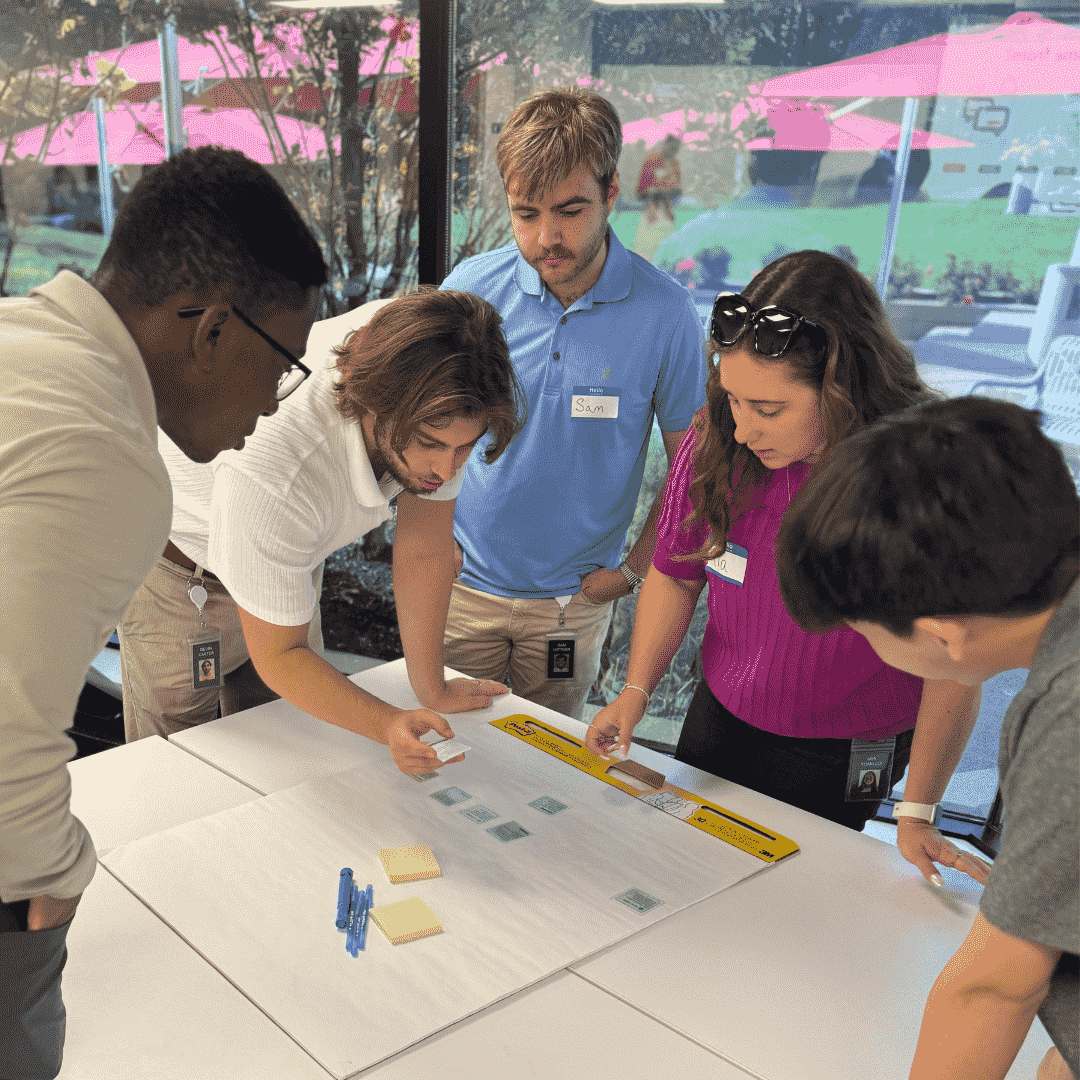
(775, 328)
(291, 378)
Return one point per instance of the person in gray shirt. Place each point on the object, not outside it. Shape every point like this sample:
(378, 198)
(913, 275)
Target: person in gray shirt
(949, 536)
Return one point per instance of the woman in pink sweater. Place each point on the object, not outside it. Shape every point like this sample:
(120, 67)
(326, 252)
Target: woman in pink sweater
(803, 358)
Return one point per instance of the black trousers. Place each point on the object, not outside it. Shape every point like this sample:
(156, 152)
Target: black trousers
(808, 773)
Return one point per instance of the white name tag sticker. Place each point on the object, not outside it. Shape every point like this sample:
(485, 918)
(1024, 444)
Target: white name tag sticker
(594, 403)
(731, 566)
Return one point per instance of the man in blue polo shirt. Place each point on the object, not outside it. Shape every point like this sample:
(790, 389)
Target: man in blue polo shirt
(601, 342)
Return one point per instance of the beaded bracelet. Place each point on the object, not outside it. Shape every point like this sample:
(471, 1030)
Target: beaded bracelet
(631, 686)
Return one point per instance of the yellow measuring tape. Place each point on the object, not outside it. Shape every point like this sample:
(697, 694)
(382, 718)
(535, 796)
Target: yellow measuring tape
(742, 833)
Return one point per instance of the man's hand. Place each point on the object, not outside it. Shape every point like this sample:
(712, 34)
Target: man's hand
(922, 845)
(47, 912)
(403, 737)
(463, 695)
(603, 585)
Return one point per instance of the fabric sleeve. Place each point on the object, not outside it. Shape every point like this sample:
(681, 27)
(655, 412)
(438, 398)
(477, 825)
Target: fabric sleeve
(680, 385)
(262, 546)
(81, 523)
(671, 538)
(1033, 891)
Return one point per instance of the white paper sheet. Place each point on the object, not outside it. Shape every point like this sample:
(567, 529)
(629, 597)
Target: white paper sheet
(254, 889)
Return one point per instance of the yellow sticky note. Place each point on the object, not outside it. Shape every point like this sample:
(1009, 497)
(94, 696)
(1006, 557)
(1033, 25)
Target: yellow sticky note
(415, 863)
(406, 920)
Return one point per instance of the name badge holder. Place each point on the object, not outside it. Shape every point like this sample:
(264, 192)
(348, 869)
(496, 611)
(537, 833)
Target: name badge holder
(204, 646)
(869, 776)
(561, 646)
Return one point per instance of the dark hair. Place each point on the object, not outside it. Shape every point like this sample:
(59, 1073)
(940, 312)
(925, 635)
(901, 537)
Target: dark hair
(211, 218)
(853, 360)
(552, 133)
(959, 507)
(426, 358)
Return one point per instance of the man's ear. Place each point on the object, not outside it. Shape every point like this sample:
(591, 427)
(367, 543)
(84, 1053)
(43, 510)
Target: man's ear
(953, 634)
(613, 191)
(208, 332)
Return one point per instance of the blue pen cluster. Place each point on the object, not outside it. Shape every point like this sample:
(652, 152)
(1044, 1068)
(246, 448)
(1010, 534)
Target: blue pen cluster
(352, 912)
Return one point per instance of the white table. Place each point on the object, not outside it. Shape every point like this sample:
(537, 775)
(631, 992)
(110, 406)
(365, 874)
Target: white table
(805, 968)
(146, 786)
(820, 962)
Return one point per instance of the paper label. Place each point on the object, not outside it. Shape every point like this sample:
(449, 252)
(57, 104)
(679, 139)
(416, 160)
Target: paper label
(637, 900)
(508, 830)
(547, 805)
(731, 566)
(594, 403)
(449, 796)
(479, 814)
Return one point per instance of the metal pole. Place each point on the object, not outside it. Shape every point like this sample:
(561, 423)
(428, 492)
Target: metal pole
(438, 21)
(903, 156)
(171, 95)
(104, 173)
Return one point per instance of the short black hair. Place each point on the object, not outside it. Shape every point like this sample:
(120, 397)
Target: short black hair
(958, 507)
(211, 217)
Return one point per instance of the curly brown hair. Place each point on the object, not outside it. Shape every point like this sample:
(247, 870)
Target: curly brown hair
(854, 361)
(427, 358)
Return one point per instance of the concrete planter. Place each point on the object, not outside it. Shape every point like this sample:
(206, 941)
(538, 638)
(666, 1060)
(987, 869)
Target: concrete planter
(912, 319)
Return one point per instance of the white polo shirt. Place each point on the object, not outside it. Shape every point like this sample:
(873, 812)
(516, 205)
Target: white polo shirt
(264, 518)
(84, 512)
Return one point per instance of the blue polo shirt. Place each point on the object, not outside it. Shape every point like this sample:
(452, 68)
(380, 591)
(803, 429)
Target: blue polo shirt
(557, 504)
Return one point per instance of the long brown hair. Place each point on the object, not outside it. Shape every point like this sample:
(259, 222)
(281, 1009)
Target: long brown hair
(854, 361)
(426, 358)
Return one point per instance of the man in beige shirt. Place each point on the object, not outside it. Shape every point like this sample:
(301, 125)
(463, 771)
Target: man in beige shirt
(209, 281)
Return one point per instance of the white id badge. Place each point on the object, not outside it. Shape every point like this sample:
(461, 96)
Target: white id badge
(731, 566)
(594, 403)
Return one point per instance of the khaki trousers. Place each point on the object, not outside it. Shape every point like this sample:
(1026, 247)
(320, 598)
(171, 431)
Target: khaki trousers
(155, 659)
(500, 637)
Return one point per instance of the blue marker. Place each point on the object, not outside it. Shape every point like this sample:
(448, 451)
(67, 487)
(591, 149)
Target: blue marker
(354, 911)
(364, 922)
(344, 892)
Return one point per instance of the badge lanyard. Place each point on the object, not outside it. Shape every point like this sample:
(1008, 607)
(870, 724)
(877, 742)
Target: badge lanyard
(561, 643)
(205, 644)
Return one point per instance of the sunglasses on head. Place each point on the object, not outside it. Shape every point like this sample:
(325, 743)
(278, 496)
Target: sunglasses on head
(775, 328)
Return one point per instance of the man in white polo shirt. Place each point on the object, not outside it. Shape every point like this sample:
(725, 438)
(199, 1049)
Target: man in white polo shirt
(87, 372)
(416, 384)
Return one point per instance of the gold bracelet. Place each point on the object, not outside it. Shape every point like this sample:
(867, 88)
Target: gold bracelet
(631, 686)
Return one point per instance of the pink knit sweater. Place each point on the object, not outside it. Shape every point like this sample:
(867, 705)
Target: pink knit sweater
(757, 661)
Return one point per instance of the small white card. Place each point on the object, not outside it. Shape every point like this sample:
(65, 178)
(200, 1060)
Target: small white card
(444, 751)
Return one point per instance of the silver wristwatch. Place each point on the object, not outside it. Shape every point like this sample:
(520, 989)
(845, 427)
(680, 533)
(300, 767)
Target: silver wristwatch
(631, 578)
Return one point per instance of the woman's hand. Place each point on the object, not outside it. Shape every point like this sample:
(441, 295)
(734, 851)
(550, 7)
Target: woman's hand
(403, 737)
(613, 725)
(922, 845)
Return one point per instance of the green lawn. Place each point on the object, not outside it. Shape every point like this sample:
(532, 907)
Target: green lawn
(977, 230)
(39, 250)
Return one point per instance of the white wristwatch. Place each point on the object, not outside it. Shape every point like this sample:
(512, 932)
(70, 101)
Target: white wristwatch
(929, 812)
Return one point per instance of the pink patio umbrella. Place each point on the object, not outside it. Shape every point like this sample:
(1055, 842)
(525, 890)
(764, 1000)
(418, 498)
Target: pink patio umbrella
(135, 134)
(1026, 54)
(806, 125)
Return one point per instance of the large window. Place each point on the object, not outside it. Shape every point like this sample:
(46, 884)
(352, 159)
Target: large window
(762, 152)
(326, 98)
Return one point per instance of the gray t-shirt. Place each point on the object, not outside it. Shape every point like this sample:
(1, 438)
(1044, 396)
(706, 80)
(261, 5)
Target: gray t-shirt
(1033, 892)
